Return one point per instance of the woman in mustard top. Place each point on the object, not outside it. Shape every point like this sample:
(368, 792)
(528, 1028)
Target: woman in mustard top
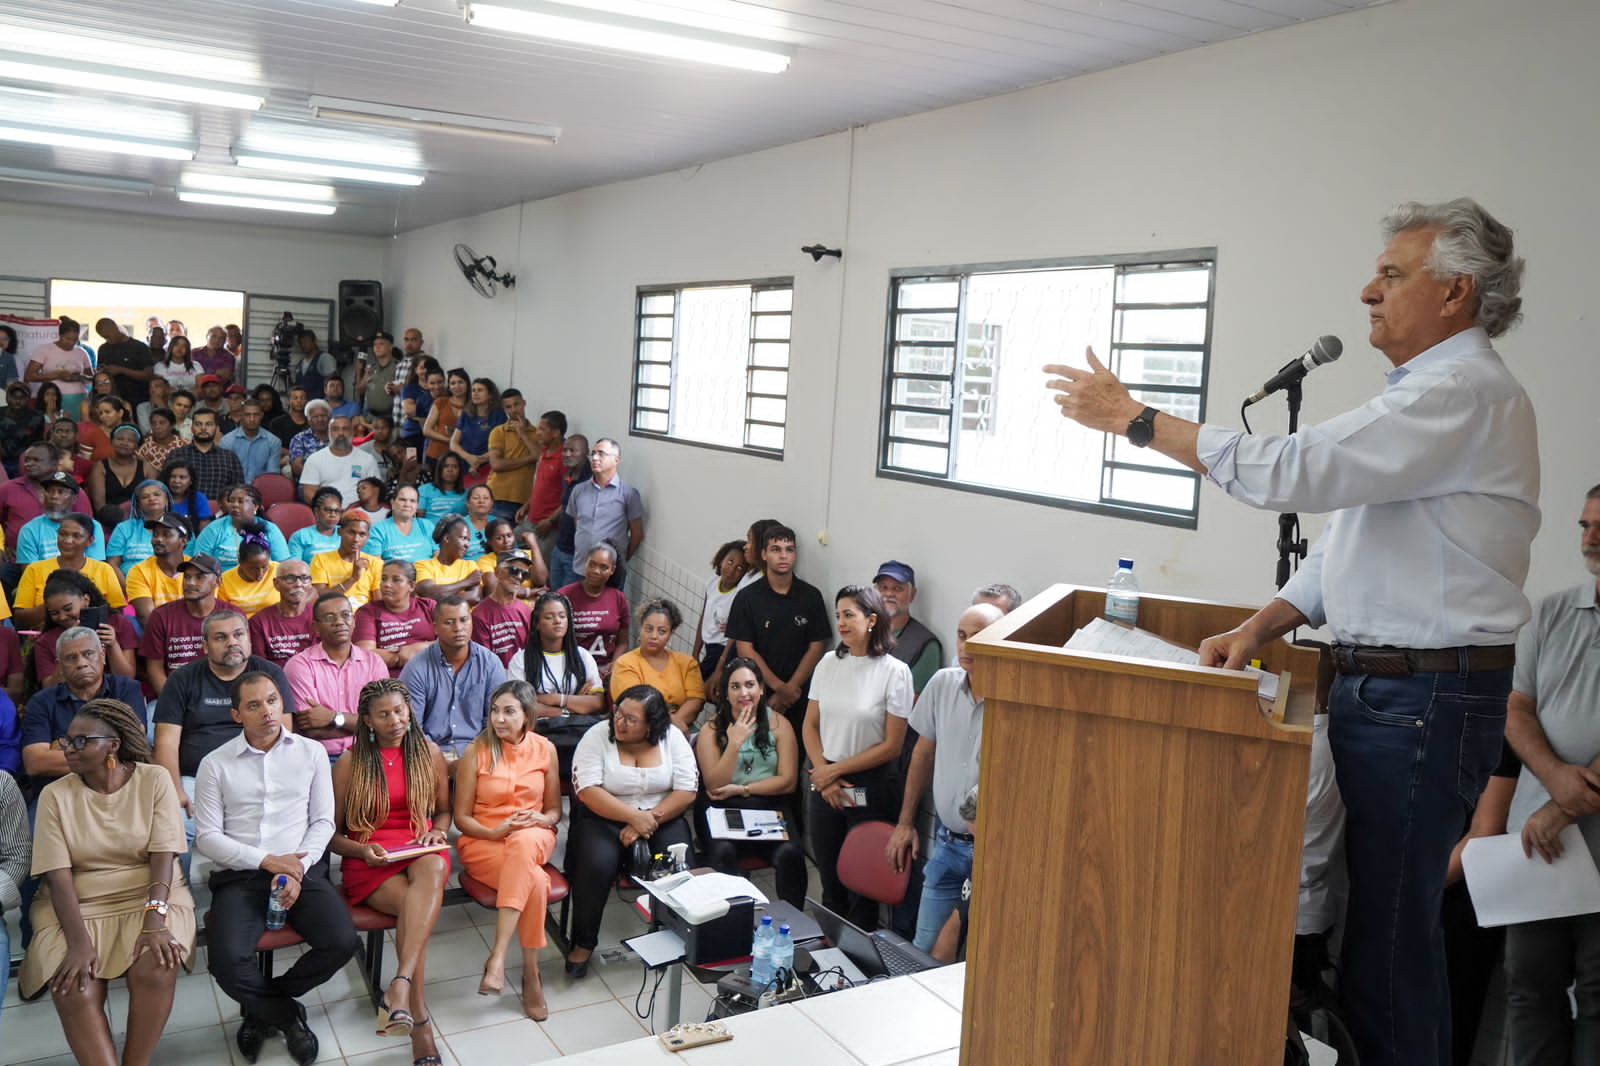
(349, 569)
(249, 586)
(450, 573)
(672, 673)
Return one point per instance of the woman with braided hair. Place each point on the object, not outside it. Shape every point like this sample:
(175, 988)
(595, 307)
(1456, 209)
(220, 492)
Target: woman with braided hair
(391, 790)
(114, 902)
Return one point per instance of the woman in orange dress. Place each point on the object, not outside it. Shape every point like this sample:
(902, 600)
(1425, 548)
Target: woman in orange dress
(508, 804)
(389, 790)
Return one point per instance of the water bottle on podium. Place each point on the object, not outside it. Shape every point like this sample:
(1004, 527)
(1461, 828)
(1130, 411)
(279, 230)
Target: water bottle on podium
(1122, 595)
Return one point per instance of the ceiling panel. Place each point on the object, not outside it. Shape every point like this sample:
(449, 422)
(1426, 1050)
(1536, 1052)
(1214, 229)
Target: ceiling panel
(623, 116)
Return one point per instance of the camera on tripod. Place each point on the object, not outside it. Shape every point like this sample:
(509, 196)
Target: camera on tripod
(285, 337)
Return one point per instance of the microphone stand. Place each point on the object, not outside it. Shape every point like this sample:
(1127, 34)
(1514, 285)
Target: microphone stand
(1290, 544)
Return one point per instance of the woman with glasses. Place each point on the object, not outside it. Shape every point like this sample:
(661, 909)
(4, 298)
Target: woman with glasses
(636, 779)
(508, 805)
(398, 625)
(322, 535)
(114, 903)
(221, 539)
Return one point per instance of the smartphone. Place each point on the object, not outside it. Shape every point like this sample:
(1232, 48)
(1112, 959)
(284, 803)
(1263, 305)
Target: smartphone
(93, 617)
(855, 797)
(735, 818)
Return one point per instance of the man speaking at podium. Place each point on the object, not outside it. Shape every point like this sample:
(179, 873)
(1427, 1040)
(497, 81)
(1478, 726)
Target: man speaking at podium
(1433, 487)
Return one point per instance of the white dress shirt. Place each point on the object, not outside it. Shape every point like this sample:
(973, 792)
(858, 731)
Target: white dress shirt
(1435, 488)
(249, 803)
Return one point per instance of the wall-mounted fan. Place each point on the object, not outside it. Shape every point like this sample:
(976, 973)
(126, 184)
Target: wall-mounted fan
(481, 272)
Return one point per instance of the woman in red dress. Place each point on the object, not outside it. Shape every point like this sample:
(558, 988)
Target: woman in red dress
(391, 789)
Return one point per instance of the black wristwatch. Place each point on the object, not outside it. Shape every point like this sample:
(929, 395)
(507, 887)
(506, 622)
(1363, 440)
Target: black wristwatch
(1142, 430)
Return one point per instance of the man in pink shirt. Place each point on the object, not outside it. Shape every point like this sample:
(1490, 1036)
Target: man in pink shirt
(327, 678)
(20, 502)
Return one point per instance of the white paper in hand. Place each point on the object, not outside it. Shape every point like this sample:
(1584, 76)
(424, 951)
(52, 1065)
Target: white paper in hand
(1507, 887)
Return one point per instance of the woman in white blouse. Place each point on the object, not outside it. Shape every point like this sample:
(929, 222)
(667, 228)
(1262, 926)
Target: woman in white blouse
(855, 723)
(564, 675)
(635, 779)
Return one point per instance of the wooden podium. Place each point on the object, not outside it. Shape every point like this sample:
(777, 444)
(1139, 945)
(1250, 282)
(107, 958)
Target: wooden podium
(1138, 858)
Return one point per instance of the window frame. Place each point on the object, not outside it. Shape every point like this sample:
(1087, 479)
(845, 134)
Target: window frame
(641, 293)
(960, 273)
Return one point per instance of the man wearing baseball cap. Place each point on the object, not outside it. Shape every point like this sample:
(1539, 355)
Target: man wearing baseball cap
(503, 621)
(915, 645)
(377, 381)
(20, 425)
(36, 540)
(175, 634)
(157, 581)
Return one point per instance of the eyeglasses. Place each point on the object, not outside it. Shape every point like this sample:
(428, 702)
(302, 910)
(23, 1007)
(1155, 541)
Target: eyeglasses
(295, 579)
(78, 743)
(626, 719)
(517, 574)
(600, 453)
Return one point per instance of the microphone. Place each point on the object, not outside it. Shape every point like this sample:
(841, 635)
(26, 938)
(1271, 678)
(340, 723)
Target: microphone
(1326, 350)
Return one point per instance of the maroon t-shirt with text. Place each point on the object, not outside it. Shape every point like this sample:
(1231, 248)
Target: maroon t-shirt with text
(389, 629)
(504, 629)
(172, 636)
(598, 620)
(274, 637)
(44, 645)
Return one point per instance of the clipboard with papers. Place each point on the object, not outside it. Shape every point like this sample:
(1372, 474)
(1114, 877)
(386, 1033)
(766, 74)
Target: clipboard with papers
(746, 823)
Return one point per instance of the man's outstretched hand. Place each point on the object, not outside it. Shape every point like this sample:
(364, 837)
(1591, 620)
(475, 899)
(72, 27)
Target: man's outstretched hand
(1093, 397)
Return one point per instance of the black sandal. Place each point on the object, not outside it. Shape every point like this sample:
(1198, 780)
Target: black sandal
(426, 1060)
(396, 1022)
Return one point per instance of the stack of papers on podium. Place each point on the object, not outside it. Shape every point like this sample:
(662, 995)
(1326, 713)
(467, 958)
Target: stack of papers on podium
(1108, 638)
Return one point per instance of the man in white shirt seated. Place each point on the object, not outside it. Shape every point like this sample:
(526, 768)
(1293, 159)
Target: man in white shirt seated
(340, 465)
(263, 807)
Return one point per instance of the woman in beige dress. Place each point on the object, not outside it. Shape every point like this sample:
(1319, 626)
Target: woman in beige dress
(113, 902)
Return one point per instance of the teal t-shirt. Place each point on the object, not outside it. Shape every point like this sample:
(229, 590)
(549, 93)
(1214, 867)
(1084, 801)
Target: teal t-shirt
(390, 544)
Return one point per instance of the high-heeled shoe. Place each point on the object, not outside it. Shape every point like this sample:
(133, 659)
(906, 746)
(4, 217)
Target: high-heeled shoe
(395, 1022)
(539, 1011)
(578, 970)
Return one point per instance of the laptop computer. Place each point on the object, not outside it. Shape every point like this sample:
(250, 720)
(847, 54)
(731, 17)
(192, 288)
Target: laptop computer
(879, 954)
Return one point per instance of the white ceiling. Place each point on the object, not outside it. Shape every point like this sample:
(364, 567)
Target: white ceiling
(622, 116)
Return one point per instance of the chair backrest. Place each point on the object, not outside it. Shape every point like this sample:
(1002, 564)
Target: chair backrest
(864, 869)
(289, 516)
(275, 488)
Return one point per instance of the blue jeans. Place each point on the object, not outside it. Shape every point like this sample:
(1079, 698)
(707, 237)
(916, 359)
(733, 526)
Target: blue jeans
(947, 869)
(561, 572)
(1411, 755)
(506, 509)
(187, 858)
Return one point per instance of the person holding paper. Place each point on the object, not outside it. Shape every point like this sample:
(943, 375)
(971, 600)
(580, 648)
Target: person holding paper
(749, 759)
(1553, 727)
(1433, 488)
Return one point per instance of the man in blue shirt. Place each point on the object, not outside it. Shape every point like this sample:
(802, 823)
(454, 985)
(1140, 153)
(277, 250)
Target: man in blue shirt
(259, 452)
(608, 509)
(450, 682)
(83, 678)
(37, 541)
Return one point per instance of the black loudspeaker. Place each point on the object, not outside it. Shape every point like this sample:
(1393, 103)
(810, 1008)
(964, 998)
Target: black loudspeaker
(360, 312)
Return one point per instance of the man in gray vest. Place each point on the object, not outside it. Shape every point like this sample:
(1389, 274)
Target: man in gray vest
(914, 643)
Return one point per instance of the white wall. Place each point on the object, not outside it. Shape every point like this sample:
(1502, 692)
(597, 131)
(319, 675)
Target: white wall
(1280, 150)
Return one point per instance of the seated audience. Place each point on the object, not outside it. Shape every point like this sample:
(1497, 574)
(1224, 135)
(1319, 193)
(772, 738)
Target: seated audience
(113, 904)
(188, 502)
(397, 626)
(672, 673)
(781, 623)
(571, 696)
(284, 629)
(174, 635)
(162, 438)
(221, 538)
(82, 663)
(480, 510)
(75, 460)
(450, 573)
(1004, 597)
(452, 678)
(395, 462)
(20, 498)
(750, 758)
(37, 540)
(501, 536)
(250, 586)
(159, 397)
(502, 620)
(66, 597)
(372, 499)
(599, 610)
(575, 468)
(392, 788)
(156, 581)
(130, 542)
(322, 535)
(113, 479)
(711, 634)
(327, 678)
(340, 465)
(103, 413)
(333, 392)
(507, 806)
(854, 727)
(259, 451)
(215, 468)
(16, 858)
(72, 539)
(20, 424)
(636, 778)
(10, 749)
(12, 679)
(183, 405)
(404, 535)
(948, 719)
(914, 643)
(446, 494)
(48, 401)
(263, 808)
(349, 570)
(313, 438)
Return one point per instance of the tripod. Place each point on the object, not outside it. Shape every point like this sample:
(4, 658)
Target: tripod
(280, 376)
(1291, 545)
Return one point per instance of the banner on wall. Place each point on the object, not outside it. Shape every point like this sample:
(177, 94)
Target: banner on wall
(31, 333)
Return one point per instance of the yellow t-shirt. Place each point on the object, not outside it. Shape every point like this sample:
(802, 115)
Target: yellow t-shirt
(30, 590)
(5, 607)
(329, 569)
(147, 579)
(249, 596)
(440, 574)
(513, 485)
(680, 683)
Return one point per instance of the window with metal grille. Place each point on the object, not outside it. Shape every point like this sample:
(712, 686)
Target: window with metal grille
(711, 364)
(964, 402)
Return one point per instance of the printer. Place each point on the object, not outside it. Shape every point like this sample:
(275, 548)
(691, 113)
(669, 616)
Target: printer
(713, 914)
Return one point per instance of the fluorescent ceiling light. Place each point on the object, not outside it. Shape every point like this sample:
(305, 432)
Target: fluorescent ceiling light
(374, 114)
(94, 142)
(380, 3)
(258, 203)
(623, 34)
(61, 179)
(33, 42)
(75, 77)
(324, 169)
(286, 190)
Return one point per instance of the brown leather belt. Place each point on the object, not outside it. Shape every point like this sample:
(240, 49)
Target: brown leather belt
(1403, 662)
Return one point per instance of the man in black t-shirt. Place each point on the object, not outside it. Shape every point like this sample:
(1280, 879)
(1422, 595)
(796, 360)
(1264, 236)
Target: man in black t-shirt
(782, 623)
(20, 426)
(130, 363)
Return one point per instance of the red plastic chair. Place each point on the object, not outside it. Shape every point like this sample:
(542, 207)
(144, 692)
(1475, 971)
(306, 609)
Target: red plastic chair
(289, 516)
(372, 925)
(864, 869)
(275, 488)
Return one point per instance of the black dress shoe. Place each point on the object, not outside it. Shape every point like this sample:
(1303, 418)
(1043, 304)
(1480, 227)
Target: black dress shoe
(301, 1041)
(253, 1033)
(578, 970)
